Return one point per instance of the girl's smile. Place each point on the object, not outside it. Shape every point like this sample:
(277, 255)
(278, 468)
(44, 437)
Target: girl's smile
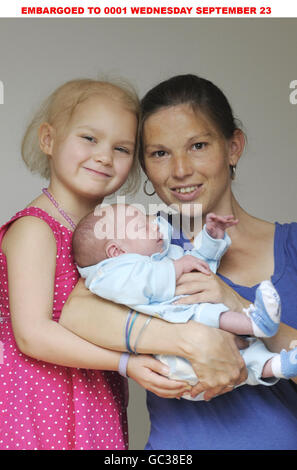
(97, 172)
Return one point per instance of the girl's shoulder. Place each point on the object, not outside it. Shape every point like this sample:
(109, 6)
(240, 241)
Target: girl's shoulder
(29, 225)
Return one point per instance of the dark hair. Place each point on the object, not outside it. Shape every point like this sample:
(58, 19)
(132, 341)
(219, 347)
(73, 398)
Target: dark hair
(193, 90)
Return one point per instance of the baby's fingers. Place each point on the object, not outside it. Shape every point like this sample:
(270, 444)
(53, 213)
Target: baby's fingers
(232, 222)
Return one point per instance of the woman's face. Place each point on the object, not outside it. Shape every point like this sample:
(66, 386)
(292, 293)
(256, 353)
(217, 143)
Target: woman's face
(187, 159)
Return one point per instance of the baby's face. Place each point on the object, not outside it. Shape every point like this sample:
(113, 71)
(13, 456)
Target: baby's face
(142, 234)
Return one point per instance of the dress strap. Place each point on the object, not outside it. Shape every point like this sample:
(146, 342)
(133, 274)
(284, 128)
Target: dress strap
(35, 212)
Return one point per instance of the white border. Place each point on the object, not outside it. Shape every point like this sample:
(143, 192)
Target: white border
(263, 8)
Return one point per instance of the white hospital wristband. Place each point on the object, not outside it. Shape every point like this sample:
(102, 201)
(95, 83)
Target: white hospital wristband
(122, 369)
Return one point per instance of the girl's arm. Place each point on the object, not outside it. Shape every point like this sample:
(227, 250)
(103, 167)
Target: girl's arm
(30, 249)
(212, 352)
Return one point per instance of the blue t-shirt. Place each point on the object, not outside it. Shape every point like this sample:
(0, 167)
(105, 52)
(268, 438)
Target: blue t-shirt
(250, 417)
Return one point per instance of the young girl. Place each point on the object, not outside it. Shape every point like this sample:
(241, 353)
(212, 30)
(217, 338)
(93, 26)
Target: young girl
(53, 393)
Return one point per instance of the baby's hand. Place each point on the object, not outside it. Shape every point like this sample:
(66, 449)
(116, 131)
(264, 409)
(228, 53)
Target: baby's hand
(217, 224)
(189, 263)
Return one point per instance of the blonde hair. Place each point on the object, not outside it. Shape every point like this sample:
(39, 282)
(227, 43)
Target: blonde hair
(57, 110)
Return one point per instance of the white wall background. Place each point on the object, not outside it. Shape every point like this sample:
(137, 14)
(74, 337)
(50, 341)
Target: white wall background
(252, 60)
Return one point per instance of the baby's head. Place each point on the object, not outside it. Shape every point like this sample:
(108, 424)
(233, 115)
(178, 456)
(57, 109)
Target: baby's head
(114, 230)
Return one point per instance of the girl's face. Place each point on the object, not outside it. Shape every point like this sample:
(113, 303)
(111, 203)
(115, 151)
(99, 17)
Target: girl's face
(187, 159)
(94, 156)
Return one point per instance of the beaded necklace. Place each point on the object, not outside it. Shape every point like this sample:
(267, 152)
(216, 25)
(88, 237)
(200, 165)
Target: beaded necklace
(62, 212)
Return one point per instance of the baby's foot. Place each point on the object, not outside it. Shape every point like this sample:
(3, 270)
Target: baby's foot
(266, 311)
(284, 365)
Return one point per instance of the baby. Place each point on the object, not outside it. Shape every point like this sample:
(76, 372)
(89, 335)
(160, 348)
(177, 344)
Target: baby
(126, 256)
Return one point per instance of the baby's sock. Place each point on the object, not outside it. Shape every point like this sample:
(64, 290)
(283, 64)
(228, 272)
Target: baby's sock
(265, 313)
(284, 365)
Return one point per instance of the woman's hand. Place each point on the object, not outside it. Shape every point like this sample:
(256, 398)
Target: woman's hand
(150, 374)
(208, 288)
(215, 359)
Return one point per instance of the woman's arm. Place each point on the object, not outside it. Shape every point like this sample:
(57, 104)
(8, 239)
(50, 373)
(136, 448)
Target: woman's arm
(212, 352)
(286, 338)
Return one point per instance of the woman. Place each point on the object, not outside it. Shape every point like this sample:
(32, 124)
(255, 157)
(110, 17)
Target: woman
(189, 148)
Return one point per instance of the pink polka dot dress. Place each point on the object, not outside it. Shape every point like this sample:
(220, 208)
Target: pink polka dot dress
(47, 406)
